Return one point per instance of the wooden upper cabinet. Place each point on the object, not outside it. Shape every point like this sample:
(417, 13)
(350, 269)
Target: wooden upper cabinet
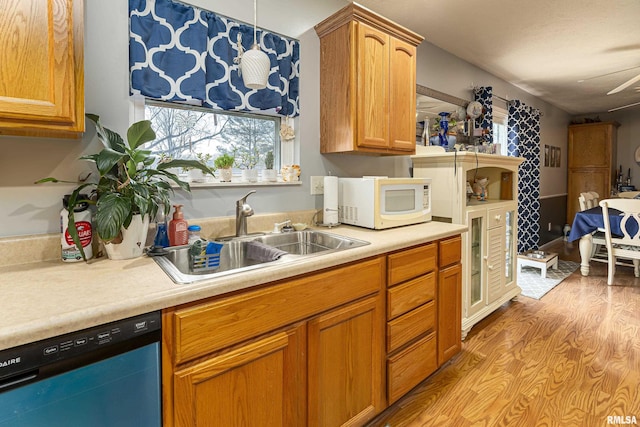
(41, 72)
(372, 88)
(402, 120)
(367, 83)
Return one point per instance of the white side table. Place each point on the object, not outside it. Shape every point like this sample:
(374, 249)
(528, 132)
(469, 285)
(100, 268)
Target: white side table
(538, 259)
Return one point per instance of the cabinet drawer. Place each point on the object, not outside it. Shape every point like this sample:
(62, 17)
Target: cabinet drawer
(412, 263)
(411, 294)
(408, 368)
(411, 325)
(495, 218)
(217, 324)
(450, 251)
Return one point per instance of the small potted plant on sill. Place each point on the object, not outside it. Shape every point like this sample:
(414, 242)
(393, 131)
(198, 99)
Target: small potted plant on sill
(248, 161)
(195, 174)
(131, 187)
(224, 163)
(269, 174)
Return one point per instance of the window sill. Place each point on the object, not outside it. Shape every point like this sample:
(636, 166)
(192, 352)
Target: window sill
(214, 183)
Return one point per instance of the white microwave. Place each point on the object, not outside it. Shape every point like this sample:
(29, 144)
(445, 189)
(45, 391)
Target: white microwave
(381, 202)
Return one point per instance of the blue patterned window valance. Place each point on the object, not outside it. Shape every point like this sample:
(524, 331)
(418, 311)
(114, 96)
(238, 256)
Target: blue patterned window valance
(181, 53)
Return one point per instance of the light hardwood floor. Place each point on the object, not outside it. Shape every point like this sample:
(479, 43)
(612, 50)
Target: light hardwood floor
(569, 359)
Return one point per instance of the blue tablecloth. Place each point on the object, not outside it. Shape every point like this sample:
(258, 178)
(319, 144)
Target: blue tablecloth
(588, 221)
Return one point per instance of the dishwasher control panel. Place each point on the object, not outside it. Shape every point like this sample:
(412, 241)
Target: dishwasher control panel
(33, 357)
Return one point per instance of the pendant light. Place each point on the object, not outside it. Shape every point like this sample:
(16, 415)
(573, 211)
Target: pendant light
(255, 64)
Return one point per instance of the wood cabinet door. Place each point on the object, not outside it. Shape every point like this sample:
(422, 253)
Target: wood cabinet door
(42, 66)
(372, 87)
(591, 146)
(449, 313)
(345, 365)
(402, 96)
(259, 384)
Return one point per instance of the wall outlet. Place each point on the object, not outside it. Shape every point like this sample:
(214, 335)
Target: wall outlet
(549, 227)
(317, 185)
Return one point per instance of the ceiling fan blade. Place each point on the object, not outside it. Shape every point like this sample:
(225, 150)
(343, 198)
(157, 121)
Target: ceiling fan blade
(624, 85)
(624, 106)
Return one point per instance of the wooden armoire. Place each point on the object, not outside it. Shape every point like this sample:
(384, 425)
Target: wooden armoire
(591, 162)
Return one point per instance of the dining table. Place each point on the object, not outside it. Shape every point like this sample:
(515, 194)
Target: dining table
(586, 222)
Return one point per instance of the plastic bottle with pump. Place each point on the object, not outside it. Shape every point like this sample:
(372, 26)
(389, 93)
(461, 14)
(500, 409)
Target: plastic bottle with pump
(178, 234)
(82, 217)
(162, 234)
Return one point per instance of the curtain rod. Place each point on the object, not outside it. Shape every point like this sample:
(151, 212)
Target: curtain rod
(501, 98)
(476, 89)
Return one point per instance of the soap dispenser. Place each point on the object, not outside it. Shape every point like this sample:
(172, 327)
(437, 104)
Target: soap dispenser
(178, 234)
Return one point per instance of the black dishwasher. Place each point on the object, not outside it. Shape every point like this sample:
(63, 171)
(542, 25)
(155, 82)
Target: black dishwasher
(105, 376)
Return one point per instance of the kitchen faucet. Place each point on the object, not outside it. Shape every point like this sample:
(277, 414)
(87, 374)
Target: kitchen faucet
(243, 210)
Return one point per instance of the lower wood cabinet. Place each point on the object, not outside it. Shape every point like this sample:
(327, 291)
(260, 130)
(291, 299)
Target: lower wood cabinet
(345, 365)
(424, 299)
(332, 348)
(257, 384)
(411, 365)
(304, 351)
(449, 312)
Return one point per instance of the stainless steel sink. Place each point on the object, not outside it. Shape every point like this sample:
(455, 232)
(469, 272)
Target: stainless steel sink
(237, 255)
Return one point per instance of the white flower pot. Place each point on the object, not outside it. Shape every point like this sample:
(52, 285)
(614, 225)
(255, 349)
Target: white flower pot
(250, 175)
(269, 175)
(133, 240)
(225, 174)
(196, 175)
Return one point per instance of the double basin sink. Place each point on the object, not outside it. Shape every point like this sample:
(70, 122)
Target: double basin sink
(238, 254)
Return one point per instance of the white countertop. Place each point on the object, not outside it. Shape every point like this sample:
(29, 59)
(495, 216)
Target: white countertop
(45, 299)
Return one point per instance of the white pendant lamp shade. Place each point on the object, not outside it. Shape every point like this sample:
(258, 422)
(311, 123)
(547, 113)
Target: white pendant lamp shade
(255, 68)
(255, 64)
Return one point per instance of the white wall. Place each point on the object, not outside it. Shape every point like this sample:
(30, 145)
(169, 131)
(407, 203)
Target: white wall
(33, 209)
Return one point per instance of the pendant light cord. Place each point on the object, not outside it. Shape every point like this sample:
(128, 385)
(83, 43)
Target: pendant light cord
(255, 19)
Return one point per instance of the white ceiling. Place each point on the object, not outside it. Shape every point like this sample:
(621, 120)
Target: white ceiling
(569, 53)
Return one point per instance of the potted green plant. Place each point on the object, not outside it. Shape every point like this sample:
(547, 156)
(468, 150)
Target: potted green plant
(196, 174)
(224, 163)
(269, 174)
(247, 161)
(131, 186)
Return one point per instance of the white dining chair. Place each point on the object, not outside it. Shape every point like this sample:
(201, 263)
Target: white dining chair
(582, 200)
(625, 245)
(589, 200)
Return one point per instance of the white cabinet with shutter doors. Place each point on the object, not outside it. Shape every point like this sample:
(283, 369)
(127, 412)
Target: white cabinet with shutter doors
(489, 247)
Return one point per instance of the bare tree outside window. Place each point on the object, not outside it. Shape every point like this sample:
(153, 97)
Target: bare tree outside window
(248, 140)
(192, 132)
